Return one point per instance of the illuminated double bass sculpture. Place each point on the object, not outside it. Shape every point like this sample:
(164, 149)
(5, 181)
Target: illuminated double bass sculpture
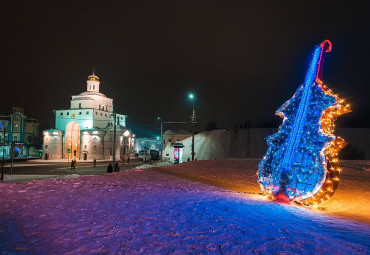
(301, 162)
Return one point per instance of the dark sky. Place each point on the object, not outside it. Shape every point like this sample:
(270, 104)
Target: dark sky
(242, 59)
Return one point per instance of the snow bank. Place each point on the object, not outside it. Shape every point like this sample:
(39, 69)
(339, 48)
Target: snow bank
(163, 211)
(350, 201)
(251, 143)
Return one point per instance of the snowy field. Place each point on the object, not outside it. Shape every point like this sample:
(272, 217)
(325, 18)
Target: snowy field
(204, 207)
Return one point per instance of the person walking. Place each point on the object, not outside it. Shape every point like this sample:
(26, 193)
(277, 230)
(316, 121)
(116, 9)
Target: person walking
(72, 163)
(128, 160)
(110, 168)
(94, 162)
(116, 168)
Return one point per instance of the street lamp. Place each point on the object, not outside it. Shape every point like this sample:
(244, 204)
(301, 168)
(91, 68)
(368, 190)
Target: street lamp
(2, 164)
(192, 98)
(193, 121)
(114, 135)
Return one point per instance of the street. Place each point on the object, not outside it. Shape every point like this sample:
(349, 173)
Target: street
(63, 167)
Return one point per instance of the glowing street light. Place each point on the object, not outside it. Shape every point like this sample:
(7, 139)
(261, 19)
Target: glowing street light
(193, 121)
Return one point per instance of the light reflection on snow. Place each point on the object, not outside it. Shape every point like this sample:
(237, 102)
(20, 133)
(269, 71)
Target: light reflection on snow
(146, 211)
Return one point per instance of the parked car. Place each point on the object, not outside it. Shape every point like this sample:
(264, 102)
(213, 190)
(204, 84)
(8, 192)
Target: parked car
(147, 155)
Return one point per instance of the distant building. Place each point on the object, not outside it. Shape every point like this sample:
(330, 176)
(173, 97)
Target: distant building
(147, 143)
(170, 136)
(85, 130)
(21, 132)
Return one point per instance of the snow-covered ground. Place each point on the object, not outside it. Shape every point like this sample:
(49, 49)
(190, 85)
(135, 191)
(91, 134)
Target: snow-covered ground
(210, 207)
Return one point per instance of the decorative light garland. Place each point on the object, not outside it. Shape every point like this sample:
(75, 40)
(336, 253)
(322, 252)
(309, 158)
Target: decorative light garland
(301, 162)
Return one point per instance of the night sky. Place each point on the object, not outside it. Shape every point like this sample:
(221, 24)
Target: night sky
(242, 59)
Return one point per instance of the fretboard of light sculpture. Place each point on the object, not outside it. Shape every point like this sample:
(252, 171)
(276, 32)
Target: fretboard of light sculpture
(301, 162)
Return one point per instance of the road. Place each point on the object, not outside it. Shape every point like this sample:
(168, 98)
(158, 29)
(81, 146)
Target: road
(59, 167)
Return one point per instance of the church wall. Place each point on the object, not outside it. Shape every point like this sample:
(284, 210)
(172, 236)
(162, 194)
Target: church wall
(94, 102)
(84, 117)
(105, 102)
(122, 141)
(85, 104)
(121, 119)
(102, 118)
(53, 144)
(92, 143)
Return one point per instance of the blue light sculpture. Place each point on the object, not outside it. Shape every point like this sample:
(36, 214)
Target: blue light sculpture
(301, 163)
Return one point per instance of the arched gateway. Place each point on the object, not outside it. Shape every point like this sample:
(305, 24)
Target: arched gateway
(72, 140)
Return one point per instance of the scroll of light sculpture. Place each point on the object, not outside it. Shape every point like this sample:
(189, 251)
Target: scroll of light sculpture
(301, 162)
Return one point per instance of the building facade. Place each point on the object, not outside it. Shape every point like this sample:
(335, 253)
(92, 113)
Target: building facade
(147, 143)
(86, 129)
(170, 136)
(19, 134)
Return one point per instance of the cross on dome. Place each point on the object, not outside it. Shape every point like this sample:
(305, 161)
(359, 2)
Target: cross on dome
(93, 77)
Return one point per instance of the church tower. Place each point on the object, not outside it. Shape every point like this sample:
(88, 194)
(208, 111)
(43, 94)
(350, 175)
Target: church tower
(93, 82)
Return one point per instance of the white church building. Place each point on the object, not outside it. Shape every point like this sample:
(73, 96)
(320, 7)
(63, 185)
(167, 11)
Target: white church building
(86, 129)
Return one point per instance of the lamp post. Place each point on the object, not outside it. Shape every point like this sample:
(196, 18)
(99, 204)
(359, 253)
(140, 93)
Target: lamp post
(193, 121)
(2, 164)
(161, 138)
(114, 138)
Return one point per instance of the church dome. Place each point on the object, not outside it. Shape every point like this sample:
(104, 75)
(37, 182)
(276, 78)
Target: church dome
(93, 77)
